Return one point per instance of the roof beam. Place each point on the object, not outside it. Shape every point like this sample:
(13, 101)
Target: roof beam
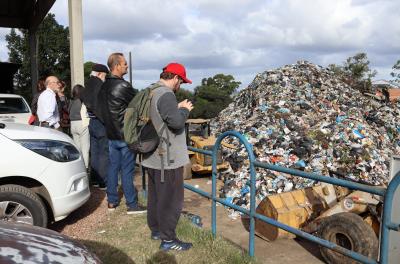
(39, 12)
(12, 22)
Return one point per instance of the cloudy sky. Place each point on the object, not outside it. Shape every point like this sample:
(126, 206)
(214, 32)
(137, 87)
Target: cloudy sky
(237, 37)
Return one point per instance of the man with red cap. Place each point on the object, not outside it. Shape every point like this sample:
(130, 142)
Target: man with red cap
(165, 187)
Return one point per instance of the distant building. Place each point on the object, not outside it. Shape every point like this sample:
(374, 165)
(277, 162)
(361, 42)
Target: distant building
(384, 84)
(386, 90)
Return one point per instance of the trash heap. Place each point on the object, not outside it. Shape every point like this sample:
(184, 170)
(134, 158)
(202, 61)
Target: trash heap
(302, 116)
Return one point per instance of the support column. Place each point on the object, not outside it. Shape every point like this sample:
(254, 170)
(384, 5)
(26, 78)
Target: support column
(76, 41)
(33, 52)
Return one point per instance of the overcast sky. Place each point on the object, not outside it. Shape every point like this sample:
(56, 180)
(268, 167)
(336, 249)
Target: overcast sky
(237, 37)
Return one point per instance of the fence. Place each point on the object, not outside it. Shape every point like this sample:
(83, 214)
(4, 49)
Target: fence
(388, 194)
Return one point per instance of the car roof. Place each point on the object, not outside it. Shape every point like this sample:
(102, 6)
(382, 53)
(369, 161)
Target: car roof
(10, 95)
(33, 244)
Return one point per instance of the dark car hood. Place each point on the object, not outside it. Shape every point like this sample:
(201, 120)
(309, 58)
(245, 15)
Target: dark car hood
(30, 244)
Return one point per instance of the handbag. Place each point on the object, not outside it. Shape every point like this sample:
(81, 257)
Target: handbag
(32, 119)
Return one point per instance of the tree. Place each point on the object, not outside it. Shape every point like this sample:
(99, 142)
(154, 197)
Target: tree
(87, 69)
(53, 53)
(183, 94)
(396, 71)
(213, 95)
(336, 69)
(356, 70)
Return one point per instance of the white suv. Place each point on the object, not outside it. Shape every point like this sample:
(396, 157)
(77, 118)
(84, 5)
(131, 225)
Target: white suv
(42, 175)
(14, 108)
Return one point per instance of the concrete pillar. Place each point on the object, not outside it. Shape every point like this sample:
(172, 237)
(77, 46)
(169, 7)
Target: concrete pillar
(76, 41)
(33, 52)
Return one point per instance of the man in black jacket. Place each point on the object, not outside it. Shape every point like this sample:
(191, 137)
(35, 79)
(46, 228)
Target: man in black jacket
(97, 131)
(114, 97)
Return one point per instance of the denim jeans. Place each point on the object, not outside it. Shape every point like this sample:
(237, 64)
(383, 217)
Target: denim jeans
(121, 159)
(98, 150)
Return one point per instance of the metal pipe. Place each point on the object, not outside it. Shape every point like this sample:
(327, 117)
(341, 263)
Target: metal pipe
(387, 193)
(251, 156)
(386, 223)
(313, 176)
(287, 228)
(130, 67)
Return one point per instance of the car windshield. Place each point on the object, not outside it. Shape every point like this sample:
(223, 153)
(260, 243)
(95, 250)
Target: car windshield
(12, 105)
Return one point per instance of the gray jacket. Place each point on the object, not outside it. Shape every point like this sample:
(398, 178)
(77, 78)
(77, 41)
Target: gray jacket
(164, 108)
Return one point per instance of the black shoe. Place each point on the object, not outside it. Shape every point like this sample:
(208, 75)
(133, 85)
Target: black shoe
(175, 244)
(155, 235)
(136, 210)
(102, 186)
(112, 207)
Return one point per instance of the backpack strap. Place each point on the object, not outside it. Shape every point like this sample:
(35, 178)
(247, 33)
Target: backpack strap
(161, 150)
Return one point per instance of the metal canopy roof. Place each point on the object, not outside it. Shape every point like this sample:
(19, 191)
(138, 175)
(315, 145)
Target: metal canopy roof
(27, 14)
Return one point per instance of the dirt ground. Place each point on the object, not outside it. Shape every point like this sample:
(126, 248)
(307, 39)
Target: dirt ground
(82, 223)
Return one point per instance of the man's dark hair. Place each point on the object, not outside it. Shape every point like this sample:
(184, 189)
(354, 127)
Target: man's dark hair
(169, 75)
(114, 59)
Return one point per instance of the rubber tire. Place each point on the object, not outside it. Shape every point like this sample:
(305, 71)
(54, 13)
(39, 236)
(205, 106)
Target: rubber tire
(360, 235)
(27, 198)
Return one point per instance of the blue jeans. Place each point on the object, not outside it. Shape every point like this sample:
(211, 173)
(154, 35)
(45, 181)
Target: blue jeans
(98, 150)
(121, 159)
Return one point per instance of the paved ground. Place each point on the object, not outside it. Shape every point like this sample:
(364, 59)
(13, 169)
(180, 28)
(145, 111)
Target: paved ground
(281, 251)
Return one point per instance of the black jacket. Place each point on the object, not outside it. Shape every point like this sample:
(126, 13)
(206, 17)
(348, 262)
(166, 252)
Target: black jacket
(114, 97)
(90, 93)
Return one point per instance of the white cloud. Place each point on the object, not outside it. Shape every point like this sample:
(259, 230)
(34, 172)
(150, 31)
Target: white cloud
(236, 37)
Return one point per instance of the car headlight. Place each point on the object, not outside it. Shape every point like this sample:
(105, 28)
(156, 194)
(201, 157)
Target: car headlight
(52, 149)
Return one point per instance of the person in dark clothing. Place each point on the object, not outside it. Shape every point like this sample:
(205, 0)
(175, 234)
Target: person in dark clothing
(40, 87)
(165, 198)
(63, 105)
(97, 131)
(114, 97)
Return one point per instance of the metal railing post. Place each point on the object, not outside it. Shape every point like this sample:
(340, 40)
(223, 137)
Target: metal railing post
(386, 224)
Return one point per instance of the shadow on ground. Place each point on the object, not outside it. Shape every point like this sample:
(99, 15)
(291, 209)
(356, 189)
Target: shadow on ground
(96, 197)
(162, 257)
(311, 247)
(109, 254)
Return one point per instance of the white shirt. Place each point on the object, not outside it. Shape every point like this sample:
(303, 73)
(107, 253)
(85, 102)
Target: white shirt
(47, 109)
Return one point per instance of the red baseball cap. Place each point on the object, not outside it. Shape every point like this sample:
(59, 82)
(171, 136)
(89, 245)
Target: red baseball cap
(177, 69)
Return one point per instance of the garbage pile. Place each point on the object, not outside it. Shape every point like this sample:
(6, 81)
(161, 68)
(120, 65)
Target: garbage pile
(302, 116)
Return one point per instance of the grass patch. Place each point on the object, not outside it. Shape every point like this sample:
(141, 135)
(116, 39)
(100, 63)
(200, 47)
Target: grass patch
(125, 239)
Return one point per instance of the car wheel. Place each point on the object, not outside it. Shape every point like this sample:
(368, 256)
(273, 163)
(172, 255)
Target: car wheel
(21, 205)
(351, 232)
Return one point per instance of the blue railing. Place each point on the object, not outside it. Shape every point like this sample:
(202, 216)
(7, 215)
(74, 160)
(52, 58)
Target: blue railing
(388, 194)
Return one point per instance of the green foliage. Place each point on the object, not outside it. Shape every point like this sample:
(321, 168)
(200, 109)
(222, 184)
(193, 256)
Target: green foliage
(87, 69)
(396, 71)
(183, 94)
(213, 95)
(355, 71)
(53, 53)
(336, 69)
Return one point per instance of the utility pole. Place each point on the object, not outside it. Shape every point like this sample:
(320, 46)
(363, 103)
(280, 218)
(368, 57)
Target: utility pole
(76, 41)
(130, 67)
